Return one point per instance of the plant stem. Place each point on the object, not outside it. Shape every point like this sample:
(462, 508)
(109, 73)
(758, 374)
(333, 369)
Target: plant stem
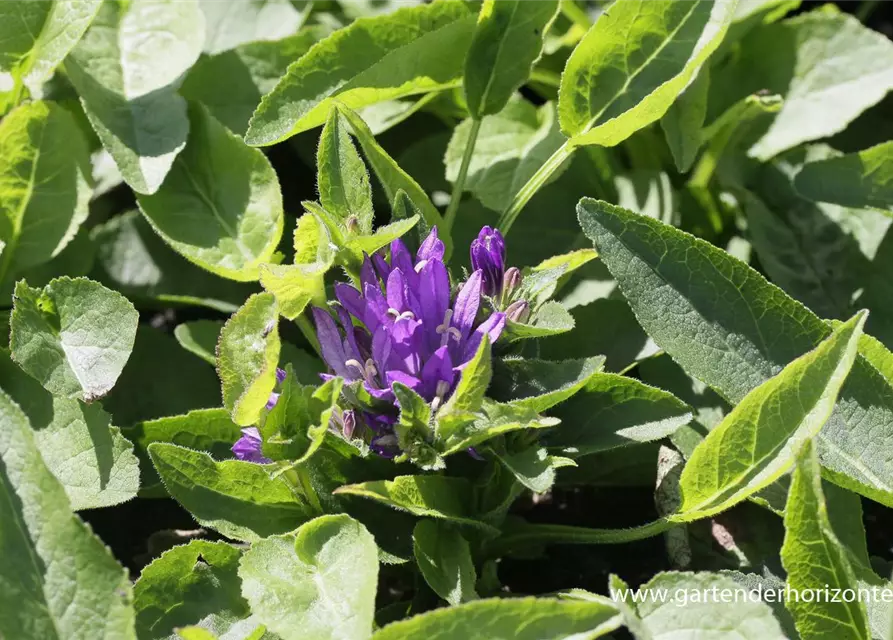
(575, 14)
(537, 180)
(309, 333)
(450, 216)
(538, 534)
(866, 9)
(544, 76)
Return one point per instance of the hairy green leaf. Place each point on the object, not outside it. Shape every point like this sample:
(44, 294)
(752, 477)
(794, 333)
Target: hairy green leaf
(220, 207)
(518, 618)
(247, 355)
(74, 336)
(238, 499)
(57, 580)
(633, 63)
(444, 558)
(863, 179)
(756, 443)
(507, 41)
(44, 183)
(318, 582)
(200, 337)
(372, 60)
(815, 559)
(342, 179)
(697, 301)
(230, 24)
(541, 384)
(127, 69)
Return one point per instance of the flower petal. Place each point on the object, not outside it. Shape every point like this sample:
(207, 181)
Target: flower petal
(330, 343)
(431, 248)
(491, 327)
(467, 303)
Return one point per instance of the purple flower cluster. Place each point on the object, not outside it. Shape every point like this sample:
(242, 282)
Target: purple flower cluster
(402, 325)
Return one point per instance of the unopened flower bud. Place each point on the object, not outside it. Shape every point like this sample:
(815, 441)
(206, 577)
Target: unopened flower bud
(488, 255)
(348, 423)
(352, 224)
(511, 281)
(518, 311)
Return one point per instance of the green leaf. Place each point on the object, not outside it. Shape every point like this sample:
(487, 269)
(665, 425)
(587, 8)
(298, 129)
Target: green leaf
(684, 120)
(90, 458)
(74, 336)
(720, 305)
(633, 63)
(230, 24)
(441, 497)
(319, 582)
(371, 60)
(413, 430)
(44, 183)
(507, 42)
(756, 443)
(823, 92)
(200, 337)
(36, 36)
(614, 411)
(550, 319)
(195, 583)
(135, 261)
(458, 431)
(863, 179)
(534, 467)
(231, 84)
(208, 430)
(518, 618)
(393, 179)
(815, 560)
(127, 69)
(295, 428)
(147, 388)
(298, 284)
(342, 179)
(684, 614)
(247, 355)
(541, 384)
(473, 382)
(60, 581)
(444, 558)
(510, 147)
(238, 499)
(220, 206)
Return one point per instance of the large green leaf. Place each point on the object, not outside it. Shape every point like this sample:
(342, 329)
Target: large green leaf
(127, 69)
(510, 147)
(507, 41)
(633, 63)
(684, 120)
(195, 583)
(615, 411)
(815, 560)
(238, 499)
(541, 384)
(44, 183)
(135, 261)
(684, 613)
(36, 36)
(220, 206)
(444, 558)
(825, 64)
(426, 496)
(74, 336)
(863, 179)
(232, 83)
(247, 355)
(341, 176)
(756, 443)
(697, 301)
(516, 618)
(318, 582)
(230, 24)
(57, 580)
(372, 60)
(90, 458)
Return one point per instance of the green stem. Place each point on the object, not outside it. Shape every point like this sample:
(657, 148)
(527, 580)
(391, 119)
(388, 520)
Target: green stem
(866, 9)
(537, 180)
(575, 14)
(538, 534)
(544, 76)
(309, 333)
(450, 216)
